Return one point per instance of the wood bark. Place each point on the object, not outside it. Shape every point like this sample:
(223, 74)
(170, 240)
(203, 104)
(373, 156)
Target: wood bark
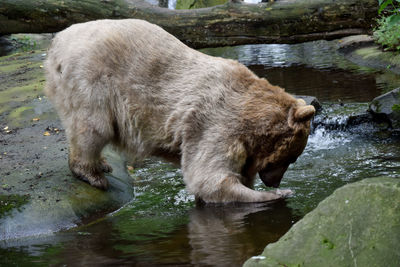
(282, 21)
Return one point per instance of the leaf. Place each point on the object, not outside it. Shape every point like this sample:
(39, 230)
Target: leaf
(393, 19)
(384, 5)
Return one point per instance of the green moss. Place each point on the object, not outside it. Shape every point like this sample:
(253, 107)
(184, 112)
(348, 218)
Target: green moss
(374, 53)
(193, 4)
(6, 67)
(327, 244)
(10, 202)
(24, 80)
(357, 223)
(19, 112)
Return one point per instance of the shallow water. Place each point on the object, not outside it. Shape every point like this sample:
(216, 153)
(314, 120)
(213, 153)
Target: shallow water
(162, 225)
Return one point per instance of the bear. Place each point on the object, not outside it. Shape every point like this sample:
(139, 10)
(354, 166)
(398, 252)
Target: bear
(131, 84)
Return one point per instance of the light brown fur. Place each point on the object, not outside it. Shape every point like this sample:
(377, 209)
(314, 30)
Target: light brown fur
(131, 84)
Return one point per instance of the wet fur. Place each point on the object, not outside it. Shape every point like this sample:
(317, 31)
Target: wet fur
(131, 84)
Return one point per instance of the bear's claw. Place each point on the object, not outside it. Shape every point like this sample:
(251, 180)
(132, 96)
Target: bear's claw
(284, 192)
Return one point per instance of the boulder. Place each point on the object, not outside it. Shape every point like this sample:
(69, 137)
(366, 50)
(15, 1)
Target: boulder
(354, 41)
(358, 225)
(386, 108)
(310, 100)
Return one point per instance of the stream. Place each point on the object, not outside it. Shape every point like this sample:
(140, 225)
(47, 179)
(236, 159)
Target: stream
(162, 225)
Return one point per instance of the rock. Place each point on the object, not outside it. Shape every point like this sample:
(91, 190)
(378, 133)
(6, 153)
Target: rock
(5, 46)
(355, 41)
(372, 56)
(358, 225)
(56, 201)
(311, 100)
(386, 108)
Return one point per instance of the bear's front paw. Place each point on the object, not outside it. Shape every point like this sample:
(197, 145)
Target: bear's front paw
(98, 182)
(284, 192)
(94, 178)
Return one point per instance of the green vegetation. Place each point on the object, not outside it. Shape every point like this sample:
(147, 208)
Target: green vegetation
(10, 202)
(24, 83)
(387, 32)
(193, 4)
(23, 42)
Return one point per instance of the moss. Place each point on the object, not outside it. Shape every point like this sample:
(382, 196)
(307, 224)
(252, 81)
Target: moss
(374, 53)
(24, 80)
(19, 112)
(357, 223)
(327, 244)
(10, 202)
(192, 4)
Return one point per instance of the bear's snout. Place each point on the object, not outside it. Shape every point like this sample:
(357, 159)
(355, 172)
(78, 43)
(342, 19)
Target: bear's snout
(272, 177)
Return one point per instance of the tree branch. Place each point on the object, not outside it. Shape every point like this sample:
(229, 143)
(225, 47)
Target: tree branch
(284, 21)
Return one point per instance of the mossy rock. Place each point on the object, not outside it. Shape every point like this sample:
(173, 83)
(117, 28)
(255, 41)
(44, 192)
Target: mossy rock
(387, 107)
(193, 4)
(358, 225)
(372, 56)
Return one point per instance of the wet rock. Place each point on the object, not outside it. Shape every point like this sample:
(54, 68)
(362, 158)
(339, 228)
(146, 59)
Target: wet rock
(358, 225)
(5, 46)
(372, 56)
(355, 41)
(58, 201)
(386, 108)
(344, 117)
(311, 100)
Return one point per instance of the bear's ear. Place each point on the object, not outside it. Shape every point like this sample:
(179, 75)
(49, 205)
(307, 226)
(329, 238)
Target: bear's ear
(304, 113)
(300, 113)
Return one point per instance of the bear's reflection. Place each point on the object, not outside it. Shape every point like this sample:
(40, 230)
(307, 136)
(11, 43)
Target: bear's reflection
(211, 235)
(229, 235)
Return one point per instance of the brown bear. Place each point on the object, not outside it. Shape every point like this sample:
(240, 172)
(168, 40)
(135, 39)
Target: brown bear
(131, 84)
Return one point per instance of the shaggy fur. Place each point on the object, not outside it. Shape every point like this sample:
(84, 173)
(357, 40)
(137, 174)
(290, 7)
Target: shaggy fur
(131, 84)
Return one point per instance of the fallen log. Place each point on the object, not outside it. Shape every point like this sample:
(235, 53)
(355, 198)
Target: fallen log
(284, 21)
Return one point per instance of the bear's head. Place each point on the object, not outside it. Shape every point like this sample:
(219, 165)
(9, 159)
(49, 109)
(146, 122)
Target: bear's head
(273, 132)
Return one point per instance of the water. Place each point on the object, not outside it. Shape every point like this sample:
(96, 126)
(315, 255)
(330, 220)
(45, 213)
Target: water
(163, 226)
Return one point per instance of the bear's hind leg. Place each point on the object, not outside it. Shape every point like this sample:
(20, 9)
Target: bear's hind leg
(86, 144)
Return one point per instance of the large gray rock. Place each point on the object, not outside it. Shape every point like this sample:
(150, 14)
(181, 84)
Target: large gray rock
(387, 108)
(358, 225)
